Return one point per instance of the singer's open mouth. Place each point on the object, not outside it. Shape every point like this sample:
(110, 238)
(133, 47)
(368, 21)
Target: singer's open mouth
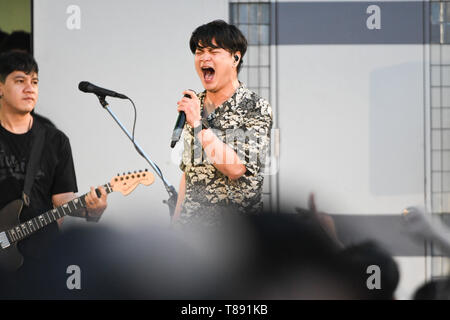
(208, 73)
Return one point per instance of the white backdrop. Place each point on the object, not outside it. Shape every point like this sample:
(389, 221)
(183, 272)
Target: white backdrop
(358, 138)
(139, 48)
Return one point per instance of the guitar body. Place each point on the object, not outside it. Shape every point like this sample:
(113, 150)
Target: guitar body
(10, 258)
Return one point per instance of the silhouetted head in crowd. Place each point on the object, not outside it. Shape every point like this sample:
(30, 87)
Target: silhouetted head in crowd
(437, 289)
(359, 261)
(3, 35)
(290, 256)
(17, 40)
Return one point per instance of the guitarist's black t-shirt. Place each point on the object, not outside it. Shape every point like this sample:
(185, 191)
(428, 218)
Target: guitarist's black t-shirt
(56, 174)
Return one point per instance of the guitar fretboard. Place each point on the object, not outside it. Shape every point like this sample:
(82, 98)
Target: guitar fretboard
(29, 227)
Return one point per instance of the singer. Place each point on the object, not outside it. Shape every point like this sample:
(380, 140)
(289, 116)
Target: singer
(226, 135)
(54, 180)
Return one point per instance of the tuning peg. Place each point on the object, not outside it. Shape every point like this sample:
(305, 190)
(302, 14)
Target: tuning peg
(129, 172)
(146, 170)
(118, 174)
(140, 170)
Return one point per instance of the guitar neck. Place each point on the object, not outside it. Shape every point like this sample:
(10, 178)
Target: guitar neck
(29, 227)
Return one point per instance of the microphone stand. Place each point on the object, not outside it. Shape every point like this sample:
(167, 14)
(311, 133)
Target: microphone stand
(173, 195)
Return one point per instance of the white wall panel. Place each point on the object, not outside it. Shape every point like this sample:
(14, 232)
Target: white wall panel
(351, 122)
(139, 48)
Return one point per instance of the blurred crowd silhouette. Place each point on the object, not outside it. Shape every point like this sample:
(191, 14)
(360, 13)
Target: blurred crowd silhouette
(270, 256)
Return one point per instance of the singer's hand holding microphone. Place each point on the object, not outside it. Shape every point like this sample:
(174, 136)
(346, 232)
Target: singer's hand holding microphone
(191, 107)
(188, 110)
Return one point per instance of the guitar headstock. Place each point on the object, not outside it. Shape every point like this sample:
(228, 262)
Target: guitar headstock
(126, 183)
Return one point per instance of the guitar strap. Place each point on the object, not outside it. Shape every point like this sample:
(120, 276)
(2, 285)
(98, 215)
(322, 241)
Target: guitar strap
(38, 137)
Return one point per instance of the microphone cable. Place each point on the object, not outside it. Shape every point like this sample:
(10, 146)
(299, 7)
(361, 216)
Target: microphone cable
(134, 143)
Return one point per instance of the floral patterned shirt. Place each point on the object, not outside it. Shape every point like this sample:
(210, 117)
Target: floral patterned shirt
(243, 122)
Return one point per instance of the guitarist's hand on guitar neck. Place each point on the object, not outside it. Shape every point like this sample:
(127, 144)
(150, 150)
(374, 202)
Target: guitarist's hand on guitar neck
(95, 203)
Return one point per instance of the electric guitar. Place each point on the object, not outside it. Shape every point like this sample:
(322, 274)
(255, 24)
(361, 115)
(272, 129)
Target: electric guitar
(12, 231)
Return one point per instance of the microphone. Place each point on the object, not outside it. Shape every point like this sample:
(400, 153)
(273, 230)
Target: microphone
(179, 125)
(90, 88)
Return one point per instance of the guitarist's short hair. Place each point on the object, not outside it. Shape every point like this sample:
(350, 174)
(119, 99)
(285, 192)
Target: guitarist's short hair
(16, 60)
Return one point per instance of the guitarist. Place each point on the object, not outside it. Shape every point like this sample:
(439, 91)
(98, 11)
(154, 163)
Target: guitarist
(54, 181)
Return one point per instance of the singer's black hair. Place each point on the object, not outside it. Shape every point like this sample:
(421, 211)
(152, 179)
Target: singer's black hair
(226, 36)
(16, 60)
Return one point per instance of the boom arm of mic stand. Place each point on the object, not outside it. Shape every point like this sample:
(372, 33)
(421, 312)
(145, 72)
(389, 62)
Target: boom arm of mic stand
(173, 195)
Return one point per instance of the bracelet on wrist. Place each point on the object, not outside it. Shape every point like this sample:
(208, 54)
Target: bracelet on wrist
(203, 124)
